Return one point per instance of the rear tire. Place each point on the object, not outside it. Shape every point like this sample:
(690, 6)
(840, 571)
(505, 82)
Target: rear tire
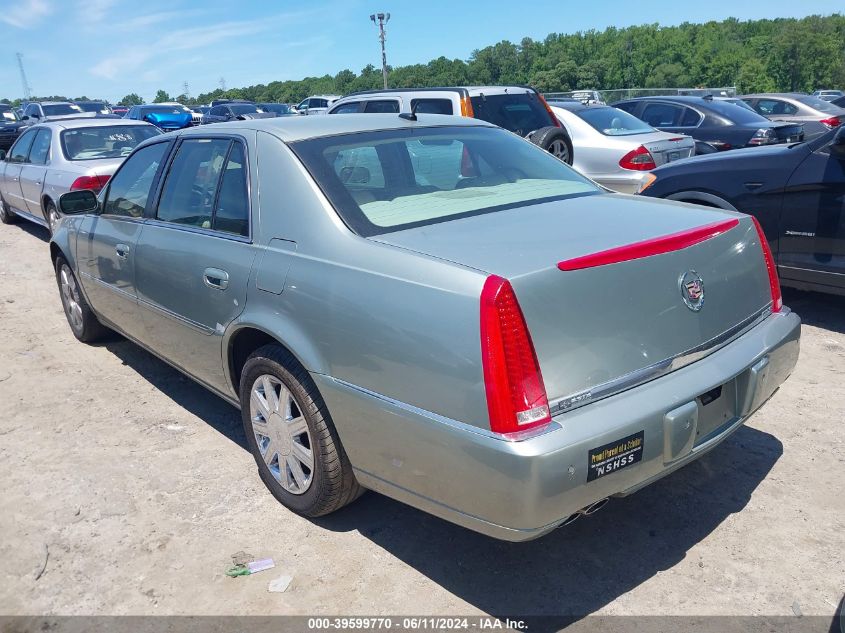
(556, 141)
(291, 435)
(82, 320)
(7, 216)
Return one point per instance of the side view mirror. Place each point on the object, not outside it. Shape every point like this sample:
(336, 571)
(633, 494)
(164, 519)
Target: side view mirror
(78, 202)
(837, 146)
(25, 117)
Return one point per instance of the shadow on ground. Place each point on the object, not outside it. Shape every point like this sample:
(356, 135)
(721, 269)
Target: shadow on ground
(817, 309)
(35, 230)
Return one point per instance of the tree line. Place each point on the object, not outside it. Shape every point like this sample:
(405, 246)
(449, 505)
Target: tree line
(783, 54)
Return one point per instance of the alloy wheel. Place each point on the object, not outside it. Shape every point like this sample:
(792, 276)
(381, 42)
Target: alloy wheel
(559, 149)
(70, 292)
(282, 434)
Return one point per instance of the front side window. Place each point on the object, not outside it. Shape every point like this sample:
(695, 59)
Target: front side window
(347, 108)
(191, 185)
(40, 148)
(245, 108)
(20, 150)
(396, 179)
(129, 189)
(113, 141)
(613, 122)
(32, 110)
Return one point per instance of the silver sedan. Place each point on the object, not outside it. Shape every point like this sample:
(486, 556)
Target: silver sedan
(52, 158)
(615, 148)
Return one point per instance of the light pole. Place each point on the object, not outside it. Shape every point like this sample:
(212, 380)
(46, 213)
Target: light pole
(381, 19)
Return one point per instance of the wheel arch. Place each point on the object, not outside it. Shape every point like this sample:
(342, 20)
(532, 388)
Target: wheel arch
(703, 198)
(45, 198)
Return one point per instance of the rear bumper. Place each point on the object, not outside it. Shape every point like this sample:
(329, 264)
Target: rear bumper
(521, 490)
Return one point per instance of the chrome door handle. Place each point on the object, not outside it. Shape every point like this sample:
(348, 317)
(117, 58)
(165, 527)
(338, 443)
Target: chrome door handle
(122, 251)
(216, 278)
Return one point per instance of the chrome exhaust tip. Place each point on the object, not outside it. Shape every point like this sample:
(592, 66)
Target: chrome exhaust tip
(595, 507)
(572, 518)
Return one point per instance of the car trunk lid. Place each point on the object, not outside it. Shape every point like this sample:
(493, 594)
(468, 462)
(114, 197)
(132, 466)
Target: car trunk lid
(668, 148)
(597, 325)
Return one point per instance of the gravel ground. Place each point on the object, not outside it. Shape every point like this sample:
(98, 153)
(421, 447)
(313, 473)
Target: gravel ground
(138, 484)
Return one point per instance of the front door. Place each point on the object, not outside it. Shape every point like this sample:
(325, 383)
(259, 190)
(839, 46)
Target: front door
(194, 258)
(18, 155)
(106, 242)
(812, 242)
(33, 173)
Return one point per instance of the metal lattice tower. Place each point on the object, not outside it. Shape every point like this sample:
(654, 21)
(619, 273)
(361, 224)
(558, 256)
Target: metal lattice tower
(27, 91)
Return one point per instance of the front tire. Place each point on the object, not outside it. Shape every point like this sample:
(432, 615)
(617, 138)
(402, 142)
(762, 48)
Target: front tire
(82, 320)
(291, 435)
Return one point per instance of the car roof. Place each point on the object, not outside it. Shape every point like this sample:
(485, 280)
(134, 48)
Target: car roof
(51, 102)
(678, 98)
(458, 89)
(290, 129)
(80, 122)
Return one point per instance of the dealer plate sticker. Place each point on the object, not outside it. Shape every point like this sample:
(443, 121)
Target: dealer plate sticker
(614, 456)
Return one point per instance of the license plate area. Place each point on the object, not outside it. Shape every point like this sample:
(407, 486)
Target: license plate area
(672, 156)
(716, 409)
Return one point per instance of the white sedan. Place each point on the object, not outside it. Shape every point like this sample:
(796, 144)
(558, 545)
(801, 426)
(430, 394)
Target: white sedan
(615, 148)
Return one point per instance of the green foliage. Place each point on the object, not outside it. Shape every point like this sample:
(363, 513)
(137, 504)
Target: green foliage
(132, 99)
(161, 97)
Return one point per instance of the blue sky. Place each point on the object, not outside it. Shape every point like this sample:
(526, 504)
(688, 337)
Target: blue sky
(108, 48)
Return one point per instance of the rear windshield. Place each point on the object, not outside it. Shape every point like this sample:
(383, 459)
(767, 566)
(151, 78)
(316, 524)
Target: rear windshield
(397, 179)
(614, 122)
(819, 104)
(113, 141)
(58, 109)
(520, 113)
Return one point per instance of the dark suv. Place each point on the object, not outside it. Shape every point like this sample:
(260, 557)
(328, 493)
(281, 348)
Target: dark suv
(714, 124)
(519, 109)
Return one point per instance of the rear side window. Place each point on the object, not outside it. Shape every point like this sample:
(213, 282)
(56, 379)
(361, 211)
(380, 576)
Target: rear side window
(663, 114)
(387, 106)
(775, 106)
(40, 148)
(519, 113)
(129, 188)
(432, 106)
(191, 185)
(231, 214)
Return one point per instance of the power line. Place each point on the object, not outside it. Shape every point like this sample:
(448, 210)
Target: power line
(383, 18)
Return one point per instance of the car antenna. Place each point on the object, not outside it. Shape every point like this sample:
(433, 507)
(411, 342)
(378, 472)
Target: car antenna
(412, 115)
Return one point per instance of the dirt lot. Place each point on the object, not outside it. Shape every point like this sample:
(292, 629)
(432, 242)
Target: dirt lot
(139, 484)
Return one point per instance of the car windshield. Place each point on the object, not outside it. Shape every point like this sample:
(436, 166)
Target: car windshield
(245, 108)
(113, 141)
(278, 108)
(392, 180)
(93, 106)
(819, 104)
(59, 109)
(614, 122)
(521, 113)
(8, 115)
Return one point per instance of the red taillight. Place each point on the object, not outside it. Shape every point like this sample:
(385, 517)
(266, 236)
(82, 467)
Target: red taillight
(774, 283)
(516, 395)
(94, 183)
(831, 122)
(638, 159)
(555, 120)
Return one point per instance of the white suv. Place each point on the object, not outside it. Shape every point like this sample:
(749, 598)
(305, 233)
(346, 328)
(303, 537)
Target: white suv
(316, 104)
(519, 109)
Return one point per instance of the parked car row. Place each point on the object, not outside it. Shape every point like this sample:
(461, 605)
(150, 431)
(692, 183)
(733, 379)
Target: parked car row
(427, 306)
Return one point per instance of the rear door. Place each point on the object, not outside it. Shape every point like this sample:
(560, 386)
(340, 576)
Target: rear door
(195, 255)
(34, 171)
(812, 232)
(105, 243)
(18, 155)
